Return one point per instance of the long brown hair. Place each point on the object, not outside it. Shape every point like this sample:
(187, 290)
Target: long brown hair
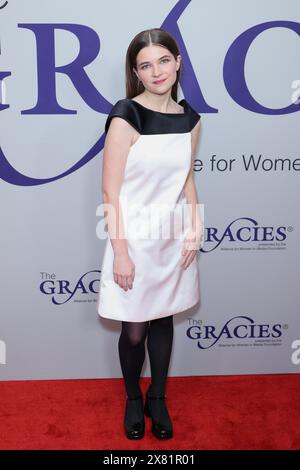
(155, 36)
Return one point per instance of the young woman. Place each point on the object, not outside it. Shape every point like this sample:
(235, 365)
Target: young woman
(148, 161)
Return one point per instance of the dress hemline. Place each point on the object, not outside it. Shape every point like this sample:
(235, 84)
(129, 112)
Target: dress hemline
(182, 309)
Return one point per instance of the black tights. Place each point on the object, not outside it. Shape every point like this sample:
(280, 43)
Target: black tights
(132, 353)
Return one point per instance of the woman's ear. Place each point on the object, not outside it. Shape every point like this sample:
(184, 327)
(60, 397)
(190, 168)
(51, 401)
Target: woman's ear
(178, 60)
(134, 71)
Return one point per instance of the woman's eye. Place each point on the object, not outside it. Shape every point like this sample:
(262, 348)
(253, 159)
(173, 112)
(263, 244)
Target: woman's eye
(163, 60)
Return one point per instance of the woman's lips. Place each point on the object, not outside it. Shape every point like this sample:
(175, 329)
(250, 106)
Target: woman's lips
(158, 82)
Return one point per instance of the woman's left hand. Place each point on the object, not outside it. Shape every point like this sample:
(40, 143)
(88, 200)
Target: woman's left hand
(191, 245)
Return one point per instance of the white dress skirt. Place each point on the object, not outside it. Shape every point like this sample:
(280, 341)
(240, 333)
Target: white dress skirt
(156, 218)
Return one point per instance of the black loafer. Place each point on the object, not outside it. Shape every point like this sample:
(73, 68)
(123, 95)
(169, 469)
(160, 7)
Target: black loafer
(159, 429)
(134, 430)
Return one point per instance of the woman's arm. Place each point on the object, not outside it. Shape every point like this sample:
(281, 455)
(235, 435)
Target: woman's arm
(116, 148)
(193, 240)
(190, 187)
(117, 145)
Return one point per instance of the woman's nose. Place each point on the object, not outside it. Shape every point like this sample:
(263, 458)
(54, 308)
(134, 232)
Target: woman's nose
(156, 70)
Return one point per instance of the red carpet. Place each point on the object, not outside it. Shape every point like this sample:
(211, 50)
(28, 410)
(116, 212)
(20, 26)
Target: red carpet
(220, 412)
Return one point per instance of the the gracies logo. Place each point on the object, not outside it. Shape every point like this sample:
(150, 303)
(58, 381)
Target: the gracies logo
(61, 290)
(243, 230)
(89, 47)
(237, 328)
(3, 5)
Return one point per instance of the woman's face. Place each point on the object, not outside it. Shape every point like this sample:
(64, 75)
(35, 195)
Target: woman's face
(157, 64)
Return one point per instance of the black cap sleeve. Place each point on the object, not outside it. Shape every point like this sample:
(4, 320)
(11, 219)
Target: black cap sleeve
(193, 115)
(125, 109)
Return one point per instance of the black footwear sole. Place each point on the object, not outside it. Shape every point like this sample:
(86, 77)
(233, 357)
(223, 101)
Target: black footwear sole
(134, 437)
(159, 434)
(130, 431)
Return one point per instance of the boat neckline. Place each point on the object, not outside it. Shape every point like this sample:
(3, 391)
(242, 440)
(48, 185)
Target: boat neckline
(183, 102)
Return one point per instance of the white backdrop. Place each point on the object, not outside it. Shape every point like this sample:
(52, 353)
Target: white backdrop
(61, 69)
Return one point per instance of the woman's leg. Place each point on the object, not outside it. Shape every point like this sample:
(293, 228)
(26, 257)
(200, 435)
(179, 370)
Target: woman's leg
(132, 354)
(160, 340)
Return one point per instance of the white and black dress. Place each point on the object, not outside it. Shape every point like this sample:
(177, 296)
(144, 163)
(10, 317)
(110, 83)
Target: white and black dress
(152, 196)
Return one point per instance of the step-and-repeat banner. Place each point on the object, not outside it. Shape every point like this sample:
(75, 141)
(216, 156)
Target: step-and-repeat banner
(62, 67)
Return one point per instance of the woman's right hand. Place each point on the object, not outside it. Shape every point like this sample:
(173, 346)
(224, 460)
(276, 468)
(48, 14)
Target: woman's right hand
(124, 271)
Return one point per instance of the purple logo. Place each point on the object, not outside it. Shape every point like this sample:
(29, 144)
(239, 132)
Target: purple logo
(237, 328)
(243, 230)
(61, 290)
(89, 48)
